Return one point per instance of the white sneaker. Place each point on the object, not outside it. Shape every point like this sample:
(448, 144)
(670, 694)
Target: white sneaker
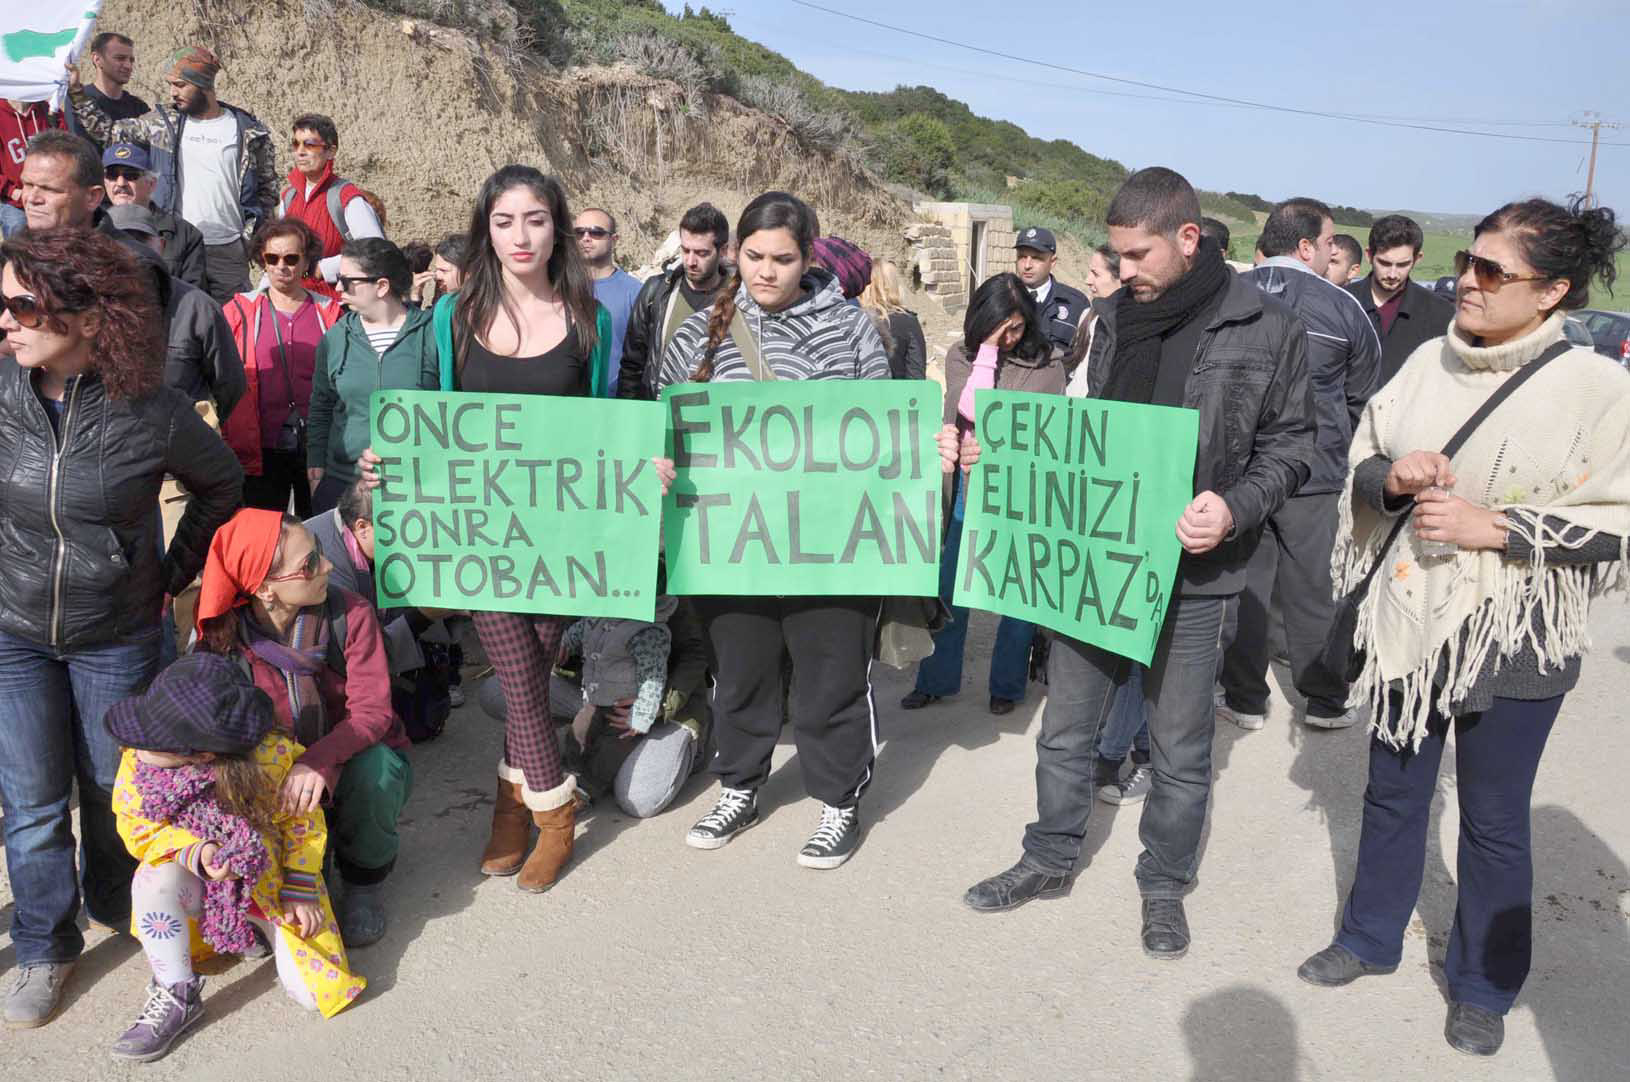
(1340, 721)
(1249, 722)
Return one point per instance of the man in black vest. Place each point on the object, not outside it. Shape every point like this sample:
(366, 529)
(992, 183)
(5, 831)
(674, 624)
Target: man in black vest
(1404, 313)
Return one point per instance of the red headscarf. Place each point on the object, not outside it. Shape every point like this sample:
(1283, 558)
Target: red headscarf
(240, 558)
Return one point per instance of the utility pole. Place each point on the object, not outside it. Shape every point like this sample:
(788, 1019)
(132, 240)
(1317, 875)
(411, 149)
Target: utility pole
(1593, 120)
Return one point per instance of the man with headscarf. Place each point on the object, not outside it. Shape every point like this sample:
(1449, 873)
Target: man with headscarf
(214, 162)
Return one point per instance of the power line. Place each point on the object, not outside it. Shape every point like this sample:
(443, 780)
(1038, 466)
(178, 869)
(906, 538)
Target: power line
(1353, 118)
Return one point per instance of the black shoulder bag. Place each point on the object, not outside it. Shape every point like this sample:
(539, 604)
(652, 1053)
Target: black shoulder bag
(1341, 654)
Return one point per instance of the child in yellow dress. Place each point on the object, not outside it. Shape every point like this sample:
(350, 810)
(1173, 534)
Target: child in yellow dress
(224, 868)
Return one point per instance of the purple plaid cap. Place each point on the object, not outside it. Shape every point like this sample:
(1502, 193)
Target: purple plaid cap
(202, 702)
(851, 265)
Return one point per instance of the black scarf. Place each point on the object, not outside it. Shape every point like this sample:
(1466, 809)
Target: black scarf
(1139, 327)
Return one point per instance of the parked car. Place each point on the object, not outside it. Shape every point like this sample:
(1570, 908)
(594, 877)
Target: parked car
(1611, 331)
(1577, 333)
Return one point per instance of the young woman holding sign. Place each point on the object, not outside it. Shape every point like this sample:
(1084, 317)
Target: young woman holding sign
(781, 319)
(525, 321)
(1002, 346)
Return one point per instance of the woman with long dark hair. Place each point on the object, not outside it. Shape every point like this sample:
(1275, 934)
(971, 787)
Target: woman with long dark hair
(796, 324)
(524, 321)
(88, 433)
(1479, 623)
(1003, 347)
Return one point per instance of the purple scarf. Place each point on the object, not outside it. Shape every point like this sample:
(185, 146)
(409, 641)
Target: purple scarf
(182, 797)
(299, 660)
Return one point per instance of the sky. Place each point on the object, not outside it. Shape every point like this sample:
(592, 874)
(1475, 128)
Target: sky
(1513, 67)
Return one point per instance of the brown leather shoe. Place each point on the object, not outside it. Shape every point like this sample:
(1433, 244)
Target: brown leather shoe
(554, 848)
(511, 830)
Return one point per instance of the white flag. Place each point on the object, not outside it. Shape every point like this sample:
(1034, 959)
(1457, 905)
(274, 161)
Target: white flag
(38, 40)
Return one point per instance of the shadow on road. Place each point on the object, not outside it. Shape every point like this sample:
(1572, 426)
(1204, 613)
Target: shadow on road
(1241, 1033)
(1580, 887)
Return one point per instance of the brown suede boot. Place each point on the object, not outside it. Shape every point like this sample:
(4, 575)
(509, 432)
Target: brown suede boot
(554, 848)
(506, 849)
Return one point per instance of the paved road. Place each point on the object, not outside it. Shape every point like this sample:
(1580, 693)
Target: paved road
(654, 961)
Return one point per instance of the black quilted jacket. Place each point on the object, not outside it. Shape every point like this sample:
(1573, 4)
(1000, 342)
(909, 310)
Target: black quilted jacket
(79, 517)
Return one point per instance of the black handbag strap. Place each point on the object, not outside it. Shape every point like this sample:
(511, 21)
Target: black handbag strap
(1458, 440)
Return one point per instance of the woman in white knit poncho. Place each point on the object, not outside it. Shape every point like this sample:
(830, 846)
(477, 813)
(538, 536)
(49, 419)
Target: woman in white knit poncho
(1486, 639)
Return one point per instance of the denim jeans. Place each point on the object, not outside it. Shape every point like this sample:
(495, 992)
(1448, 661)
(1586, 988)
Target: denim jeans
(941, 672)
(1497, 754)
(52, 704)
(1128, 726)
(1082, 682)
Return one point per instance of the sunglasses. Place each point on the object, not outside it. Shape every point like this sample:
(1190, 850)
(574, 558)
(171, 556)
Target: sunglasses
(308, 144)
(595, 231)
(308, 570)
(120, 172)
(26, 310)
(1489, 274)
(291, 259)
(348, 282)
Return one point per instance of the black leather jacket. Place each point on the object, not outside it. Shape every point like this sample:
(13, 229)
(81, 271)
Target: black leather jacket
(1250, 385)
(643, 343)
(79, 521)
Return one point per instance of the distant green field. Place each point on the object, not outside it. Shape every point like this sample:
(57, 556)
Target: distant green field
(1438, 257)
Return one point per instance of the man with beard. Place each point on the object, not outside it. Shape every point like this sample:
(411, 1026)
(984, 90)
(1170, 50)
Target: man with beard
(1188, 333)
(1404, 313)
(214, 163)
(666, 300)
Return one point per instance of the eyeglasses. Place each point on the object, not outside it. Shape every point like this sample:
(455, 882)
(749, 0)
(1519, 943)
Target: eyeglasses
(289, 259)
(26, 310)
(308, 570)
(595, 231)
(1489, 274)
(348, 282)
(121, 172)
(308, 144)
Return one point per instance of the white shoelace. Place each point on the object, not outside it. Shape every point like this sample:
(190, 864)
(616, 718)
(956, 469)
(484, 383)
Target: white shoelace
(731, 802)
(160, 1001)
(834, 821)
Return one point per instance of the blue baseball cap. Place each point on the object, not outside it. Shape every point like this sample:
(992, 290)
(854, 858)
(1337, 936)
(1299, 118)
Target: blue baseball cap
(129, 155)
(1036, 237)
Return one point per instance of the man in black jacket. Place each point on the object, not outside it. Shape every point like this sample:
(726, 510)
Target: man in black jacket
(1404, 314)
(1189, 332)
(1060, 306)
(131, 181)
(666, 300)
(1290, 570)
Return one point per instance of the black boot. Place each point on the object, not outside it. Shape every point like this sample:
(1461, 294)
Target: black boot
(1013, 888)
(1165, 929)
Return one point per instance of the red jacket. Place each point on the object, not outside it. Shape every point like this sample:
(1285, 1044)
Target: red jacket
(244, 315)
(314, 210)
(16, 127)
(358, 704)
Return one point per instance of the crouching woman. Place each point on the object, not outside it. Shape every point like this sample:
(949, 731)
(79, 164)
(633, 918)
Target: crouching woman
(319, 654)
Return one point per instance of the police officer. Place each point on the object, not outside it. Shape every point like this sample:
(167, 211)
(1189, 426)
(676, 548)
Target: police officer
(1061, 306)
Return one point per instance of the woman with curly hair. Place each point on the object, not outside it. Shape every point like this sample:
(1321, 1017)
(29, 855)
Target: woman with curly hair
(89, 433)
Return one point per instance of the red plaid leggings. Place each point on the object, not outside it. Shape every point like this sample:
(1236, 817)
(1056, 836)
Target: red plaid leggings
(522, 648)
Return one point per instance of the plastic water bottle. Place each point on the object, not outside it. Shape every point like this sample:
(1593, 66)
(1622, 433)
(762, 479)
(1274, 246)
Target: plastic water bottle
(1437, 550)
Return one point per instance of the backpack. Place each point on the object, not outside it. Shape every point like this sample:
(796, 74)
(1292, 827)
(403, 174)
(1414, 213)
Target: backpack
(336, 206)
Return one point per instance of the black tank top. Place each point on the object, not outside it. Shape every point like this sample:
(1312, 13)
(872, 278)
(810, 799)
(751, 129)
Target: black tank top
(563, 370)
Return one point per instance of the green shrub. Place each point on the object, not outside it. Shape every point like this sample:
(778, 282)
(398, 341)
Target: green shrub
(917, 150)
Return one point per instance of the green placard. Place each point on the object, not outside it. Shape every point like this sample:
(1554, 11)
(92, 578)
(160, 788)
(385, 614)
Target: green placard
(517, 503)
(804, 487)
(1071, 515)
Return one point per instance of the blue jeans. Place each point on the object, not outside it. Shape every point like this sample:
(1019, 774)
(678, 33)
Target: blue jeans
(1497, 754)
(941, 672)
(51, 737)
(1082, 682)
(1128, 726)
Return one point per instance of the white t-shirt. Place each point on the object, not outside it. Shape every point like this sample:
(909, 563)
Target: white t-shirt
(209, 178)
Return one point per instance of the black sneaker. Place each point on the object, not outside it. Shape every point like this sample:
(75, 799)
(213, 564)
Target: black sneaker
(1165, 929)
(1474, 1030)
(736, 810)
(835, 839)
(1014, 887)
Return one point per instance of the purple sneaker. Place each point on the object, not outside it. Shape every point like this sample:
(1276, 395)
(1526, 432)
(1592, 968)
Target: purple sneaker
(168, 1013)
